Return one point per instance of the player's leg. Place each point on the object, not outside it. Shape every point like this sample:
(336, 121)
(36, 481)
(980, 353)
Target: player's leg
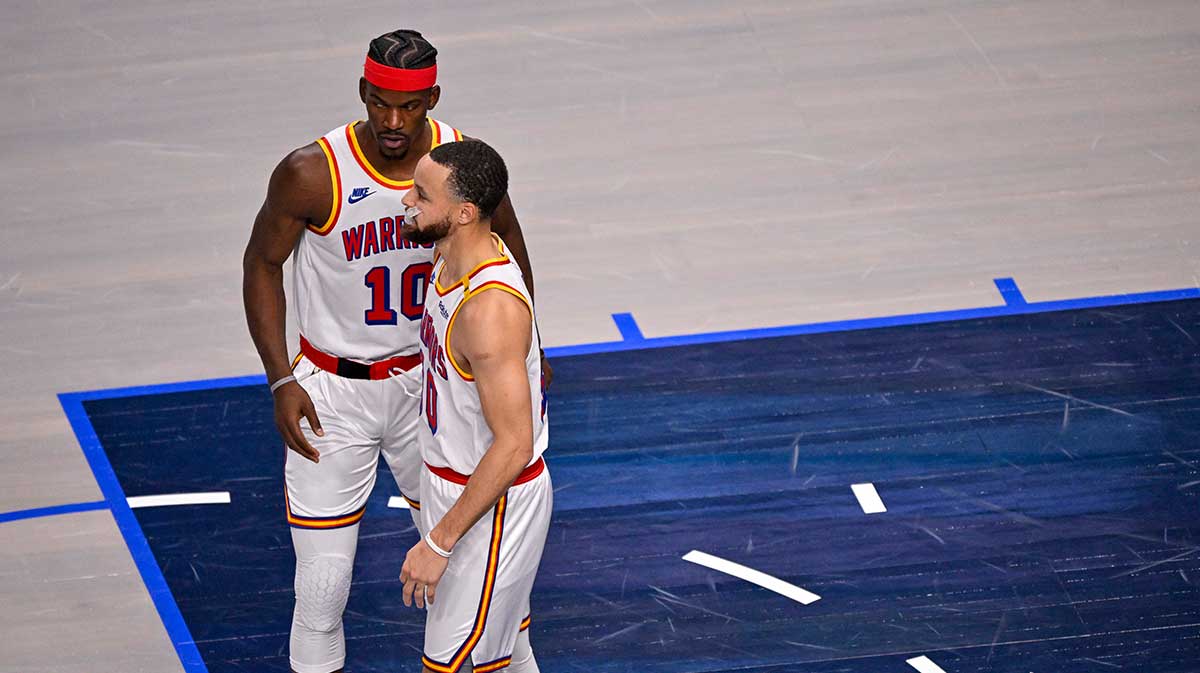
(483, 598)
(399, 444)
(523, 660)
(324, 565)
(325, 502)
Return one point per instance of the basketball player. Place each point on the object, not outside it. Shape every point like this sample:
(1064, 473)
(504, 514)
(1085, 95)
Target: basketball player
(335, 207)
(486, 491)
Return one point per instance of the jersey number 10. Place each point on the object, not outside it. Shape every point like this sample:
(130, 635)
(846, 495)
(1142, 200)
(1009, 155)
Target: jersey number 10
(414, 283)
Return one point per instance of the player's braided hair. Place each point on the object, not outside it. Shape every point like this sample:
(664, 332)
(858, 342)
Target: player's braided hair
(477, 173)
(402, 49)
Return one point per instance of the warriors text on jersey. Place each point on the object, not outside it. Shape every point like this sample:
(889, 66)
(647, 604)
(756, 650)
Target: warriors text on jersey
(359, 286)
(450, 404)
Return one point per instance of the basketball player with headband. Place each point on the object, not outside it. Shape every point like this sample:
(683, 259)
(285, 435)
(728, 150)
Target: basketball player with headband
(353, 391)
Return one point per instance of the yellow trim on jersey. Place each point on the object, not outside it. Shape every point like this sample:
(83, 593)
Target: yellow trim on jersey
(413, 504)
(525, 623)
(296, 360)
(465, 280)
(490, 285)
(365, 163)
(336, 181)
(436, 127)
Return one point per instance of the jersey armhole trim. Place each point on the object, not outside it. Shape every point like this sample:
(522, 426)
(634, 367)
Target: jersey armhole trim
(490, 285)
(335, 179)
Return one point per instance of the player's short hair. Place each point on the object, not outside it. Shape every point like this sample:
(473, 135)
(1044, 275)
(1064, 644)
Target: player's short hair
(477, 173)
(402, 48)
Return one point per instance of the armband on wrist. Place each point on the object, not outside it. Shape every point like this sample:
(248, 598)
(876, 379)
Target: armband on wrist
(281, 382)
(433, 545)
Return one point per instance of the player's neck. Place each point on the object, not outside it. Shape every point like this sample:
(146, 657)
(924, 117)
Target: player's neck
(467, 249)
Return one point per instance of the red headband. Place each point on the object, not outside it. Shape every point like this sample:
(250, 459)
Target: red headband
(399, 79)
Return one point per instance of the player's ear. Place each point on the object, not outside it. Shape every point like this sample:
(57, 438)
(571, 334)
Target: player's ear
(362, 89)
(435, 94)
(467, 212)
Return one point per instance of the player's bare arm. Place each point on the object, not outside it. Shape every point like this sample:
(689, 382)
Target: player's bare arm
(491, 342)
(299, 194)
(508, 228)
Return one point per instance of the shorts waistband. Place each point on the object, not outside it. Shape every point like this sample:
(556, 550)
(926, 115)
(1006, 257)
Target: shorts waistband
(376, 371)
(528, 474)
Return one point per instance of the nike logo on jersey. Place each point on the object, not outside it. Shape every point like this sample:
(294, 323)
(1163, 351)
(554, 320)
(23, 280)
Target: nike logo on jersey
(359, 194)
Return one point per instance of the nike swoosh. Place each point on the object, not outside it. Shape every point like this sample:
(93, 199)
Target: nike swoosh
(356, 198)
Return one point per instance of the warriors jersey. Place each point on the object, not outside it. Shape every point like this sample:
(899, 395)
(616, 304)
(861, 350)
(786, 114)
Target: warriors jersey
(359, 286)
(450, 404)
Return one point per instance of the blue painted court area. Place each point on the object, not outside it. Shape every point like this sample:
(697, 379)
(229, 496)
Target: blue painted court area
(1041, 474)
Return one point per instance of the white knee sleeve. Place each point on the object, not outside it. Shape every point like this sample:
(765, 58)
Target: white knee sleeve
(324, 564)
(322, 587)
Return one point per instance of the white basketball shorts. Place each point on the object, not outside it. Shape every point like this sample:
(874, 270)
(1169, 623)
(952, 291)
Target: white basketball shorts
(361, 419)
(482, 600)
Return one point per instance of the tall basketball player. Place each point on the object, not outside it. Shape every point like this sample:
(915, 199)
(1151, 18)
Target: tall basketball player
(487, 493)
(352, 393)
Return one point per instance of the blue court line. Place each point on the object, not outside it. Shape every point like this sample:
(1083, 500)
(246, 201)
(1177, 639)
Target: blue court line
(139, 548)
(164, 388)
(633, 339)
(53, 511)
(628, 327)
(1008, 309)
(1011, 293)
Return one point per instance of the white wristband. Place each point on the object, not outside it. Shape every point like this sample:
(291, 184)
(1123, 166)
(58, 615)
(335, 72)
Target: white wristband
(436, 549)
(278, 384)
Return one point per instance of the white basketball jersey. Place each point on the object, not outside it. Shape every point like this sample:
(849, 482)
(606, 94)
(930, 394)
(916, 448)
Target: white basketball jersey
(450, 409)
(359, 286)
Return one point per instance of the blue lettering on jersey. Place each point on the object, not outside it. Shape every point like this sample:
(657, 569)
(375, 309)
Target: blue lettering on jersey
(359, 194)
(370, 238)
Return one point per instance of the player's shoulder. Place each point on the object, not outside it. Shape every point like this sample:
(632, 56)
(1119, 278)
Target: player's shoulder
(301, 182)
(304, 163)
(304, 168)
(493, 322)
(497, 302)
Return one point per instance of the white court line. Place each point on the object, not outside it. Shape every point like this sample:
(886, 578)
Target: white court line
(868, 498)
(924, 665)
(218, 498)
(751, 575)
(396, 502)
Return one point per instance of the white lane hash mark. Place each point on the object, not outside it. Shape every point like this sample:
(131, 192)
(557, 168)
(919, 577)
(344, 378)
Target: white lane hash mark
(751, 575)
(396, 502)
(924, 665)
(868, 498)
(216, 498)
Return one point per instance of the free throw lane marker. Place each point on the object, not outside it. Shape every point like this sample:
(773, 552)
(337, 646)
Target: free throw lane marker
(924, 665)
(868, 498)
(751, 575)
(396, 502)
(218, 498)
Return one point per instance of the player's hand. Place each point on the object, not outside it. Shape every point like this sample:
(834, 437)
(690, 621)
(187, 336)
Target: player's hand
(291, 404)
(423, 569)
(547, 370)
